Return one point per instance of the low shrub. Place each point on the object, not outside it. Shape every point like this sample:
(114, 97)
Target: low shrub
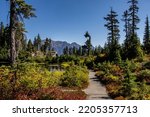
(109, 73)
(75, 76)
(113, 89)
(74, 95)
(144, 75)
(39, 59)
(4, 54)
(105, 66)
(147, 65)
(65, 65)
(26, 78)
(89, 62)
(139, 59)
(31, 81)
(111, 78)
(134, 66)
(51, 93)
(33, 76)
(101, 58)
(23, 55)
(6, 84)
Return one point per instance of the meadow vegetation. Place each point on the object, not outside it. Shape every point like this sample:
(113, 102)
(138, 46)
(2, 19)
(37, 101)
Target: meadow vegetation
(24, 63)
(31, 81)
(127, 80)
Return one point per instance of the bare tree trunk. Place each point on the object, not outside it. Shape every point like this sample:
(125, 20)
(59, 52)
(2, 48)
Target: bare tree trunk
(12, 32)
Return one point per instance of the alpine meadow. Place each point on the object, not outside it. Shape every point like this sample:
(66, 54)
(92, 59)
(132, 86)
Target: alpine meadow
(96, 51)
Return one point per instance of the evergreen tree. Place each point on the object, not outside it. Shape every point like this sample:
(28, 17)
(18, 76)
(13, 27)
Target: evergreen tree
(38, 42)
(2, 28)
(35, 44)
(4, 53)
(133, 15)
(105, 49)
(30, 46)
(50, 45)
(127, 31)
(127, 24)
(118, 58)
(143, 90)
(70, 51)
(18, 10)
(79, 51)
(19, 37)
(84, 50)
(4, 34)
(47, 45)
(97, 50)
(88, 42)
(146, 39)
(129, 86)
(132, 45)
(113, 35)
(74, 50)
(24, 44)
(66, 51)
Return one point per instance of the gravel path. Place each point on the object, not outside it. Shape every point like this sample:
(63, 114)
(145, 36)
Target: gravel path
(95, 90)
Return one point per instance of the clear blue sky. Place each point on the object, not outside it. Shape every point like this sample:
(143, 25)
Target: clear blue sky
(68, 20)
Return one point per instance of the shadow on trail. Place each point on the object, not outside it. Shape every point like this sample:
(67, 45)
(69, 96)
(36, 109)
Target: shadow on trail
(97, 80)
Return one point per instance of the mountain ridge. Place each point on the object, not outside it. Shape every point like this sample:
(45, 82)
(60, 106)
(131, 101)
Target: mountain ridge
(59, 46)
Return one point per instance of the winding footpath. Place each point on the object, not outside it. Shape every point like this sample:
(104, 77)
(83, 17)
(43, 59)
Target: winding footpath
(95, 90)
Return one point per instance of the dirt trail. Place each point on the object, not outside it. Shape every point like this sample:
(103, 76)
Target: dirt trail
(95, 90)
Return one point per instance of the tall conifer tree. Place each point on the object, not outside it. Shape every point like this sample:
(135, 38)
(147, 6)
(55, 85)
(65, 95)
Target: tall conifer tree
(113, 35)
(88, 42)
(134, 47)
(18, 10)
(146, 39)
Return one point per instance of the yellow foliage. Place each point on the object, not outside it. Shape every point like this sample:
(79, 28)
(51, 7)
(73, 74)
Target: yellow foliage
(34, 76)
(64, 65)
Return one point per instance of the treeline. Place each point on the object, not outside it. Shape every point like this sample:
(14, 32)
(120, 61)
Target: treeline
(131, 48)
(4, 42)
(23, 47)
(112, 51)
(12, 36)
(84, 50)
(43, 47)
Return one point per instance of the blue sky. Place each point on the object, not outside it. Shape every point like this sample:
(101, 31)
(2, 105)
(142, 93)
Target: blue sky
(68, 20)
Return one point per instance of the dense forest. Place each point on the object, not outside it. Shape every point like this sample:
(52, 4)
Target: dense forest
(25, 64)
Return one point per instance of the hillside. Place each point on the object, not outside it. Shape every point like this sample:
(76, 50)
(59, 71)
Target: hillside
(60, 45)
